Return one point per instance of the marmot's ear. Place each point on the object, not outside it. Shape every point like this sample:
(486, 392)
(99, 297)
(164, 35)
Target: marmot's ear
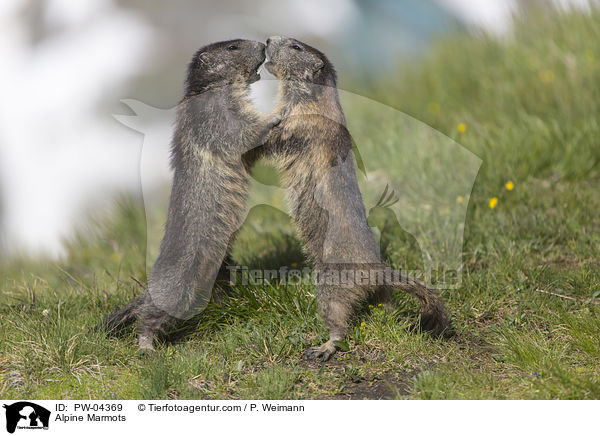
(310, 74)
(204, 58)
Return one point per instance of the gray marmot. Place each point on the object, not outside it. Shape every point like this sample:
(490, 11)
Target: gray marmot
(215, 124)
(313, 148)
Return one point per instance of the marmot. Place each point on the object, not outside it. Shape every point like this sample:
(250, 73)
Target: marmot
(215, 124)
(313, 148)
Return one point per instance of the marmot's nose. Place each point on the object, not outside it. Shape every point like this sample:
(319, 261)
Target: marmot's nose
(273, 39)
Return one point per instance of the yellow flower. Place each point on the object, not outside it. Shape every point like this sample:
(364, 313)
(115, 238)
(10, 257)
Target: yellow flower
(434, 108)
(462, 127)
(460, 199)
(362, 324)
(546, 76)
(380, 305)
(370, 306)
(509, 185)
(294, 265)
(116, 257)
(589, 55)
(493, 202)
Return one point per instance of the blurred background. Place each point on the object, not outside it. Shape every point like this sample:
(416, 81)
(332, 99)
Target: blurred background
(66, 66)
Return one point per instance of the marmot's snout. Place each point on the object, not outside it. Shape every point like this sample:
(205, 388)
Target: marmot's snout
(273, 44)
(259, 48)
(255, 56)
(274, 39)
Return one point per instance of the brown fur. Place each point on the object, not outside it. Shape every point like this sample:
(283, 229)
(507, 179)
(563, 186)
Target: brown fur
(216, 123)
(313, 148)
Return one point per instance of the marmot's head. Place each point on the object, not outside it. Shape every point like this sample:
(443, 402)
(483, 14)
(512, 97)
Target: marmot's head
(223, 63)
(290, 59)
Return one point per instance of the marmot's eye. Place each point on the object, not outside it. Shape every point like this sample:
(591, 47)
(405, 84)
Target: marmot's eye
(232, 47)
(296, 47)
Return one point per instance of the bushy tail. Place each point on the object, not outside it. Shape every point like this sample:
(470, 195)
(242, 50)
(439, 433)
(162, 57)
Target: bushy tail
(434, 317)
(121, 318)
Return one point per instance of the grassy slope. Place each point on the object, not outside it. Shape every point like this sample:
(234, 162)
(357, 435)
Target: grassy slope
(531, 106)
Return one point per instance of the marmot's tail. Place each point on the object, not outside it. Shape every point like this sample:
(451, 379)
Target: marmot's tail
(434, 317)
(121, 318)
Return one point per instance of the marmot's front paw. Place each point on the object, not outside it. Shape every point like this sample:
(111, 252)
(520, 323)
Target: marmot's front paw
(324, 352)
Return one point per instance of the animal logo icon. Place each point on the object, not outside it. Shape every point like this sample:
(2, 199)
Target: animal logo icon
(26, 415)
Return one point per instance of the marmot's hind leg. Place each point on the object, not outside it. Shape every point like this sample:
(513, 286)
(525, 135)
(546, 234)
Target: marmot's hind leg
(336, 307)
(151, 320)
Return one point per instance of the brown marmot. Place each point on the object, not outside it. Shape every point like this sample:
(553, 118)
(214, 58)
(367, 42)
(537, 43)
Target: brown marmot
(215, 124)
(313, 148)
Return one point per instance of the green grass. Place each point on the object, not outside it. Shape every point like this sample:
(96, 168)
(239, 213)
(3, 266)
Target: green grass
(531, 106)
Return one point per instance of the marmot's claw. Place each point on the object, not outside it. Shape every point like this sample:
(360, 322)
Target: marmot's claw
(144, 352)
(327, 355)
(313, 353)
